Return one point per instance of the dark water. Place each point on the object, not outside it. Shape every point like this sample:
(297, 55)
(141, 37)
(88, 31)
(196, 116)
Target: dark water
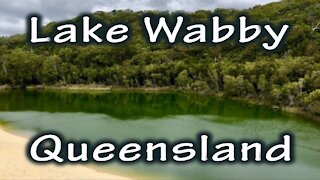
(172, 116)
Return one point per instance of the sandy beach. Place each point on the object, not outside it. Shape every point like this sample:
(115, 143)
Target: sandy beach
(15, 165)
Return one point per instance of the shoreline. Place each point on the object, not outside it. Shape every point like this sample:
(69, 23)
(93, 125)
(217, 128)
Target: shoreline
(101, 88)
(287, 109)
(15, 165)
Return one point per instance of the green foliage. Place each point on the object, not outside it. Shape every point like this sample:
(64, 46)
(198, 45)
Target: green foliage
(21, 68)
(200, 86)
(183, 81)
(288, 76)
(313, 101)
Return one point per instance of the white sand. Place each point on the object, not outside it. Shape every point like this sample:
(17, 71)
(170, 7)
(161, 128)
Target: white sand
(15, 165)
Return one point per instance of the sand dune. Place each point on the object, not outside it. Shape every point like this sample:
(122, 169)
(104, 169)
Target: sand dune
(15, 165)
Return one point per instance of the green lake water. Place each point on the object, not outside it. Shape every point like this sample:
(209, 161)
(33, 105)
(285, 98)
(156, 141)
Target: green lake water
(121, 116)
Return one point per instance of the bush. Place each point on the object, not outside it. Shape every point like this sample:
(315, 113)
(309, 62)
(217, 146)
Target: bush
(183, 80)
(313, 101)
(200, 86)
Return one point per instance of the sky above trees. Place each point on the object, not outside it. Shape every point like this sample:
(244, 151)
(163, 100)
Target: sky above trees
(14, 12)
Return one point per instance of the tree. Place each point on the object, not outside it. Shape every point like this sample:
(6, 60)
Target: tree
(22, 67)
(50, 71)
(183, 80)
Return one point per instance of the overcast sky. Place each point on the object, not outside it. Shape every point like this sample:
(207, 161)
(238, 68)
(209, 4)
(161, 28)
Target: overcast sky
(14, 12)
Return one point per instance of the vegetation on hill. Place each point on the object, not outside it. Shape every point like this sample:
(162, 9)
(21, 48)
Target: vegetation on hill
(289, 76)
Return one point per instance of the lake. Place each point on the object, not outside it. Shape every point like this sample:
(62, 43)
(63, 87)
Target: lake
(121, 116)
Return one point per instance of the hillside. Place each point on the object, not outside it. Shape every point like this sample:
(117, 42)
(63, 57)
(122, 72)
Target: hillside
(288, 77)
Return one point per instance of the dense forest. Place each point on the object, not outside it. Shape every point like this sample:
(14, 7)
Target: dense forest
(289, 76)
